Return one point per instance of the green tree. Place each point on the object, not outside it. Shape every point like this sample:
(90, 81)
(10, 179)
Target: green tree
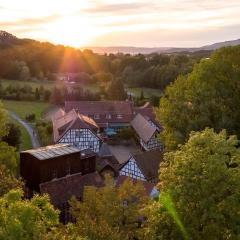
(13, 136)
(208, 97)
(199, 185)
(109, 212)
(3, 122)
(8, 181)
(26, 219)
(37, 94)
(116, 90)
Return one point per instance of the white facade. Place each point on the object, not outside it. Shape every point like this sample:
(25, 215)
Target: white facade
(82, 139)
(153, 143)
(132, 170)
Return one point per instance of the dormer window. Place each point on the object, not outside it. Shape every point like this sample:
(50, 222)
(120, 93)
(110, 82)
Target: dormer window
(108, 116)
(96, 116)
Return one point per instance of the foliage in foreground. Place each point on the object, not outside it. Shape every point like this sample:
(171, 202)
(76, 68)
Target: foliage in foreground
(111, 213)
(199, 190)
(25, 219)
(208, 97)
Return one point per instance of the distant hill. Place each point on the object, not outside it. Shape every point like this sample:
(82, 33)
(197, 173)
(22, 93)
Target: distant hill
(145, 50)
(7, 39)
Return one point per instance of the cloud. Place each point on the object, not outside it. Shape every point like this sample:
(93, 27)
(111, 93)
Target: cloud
(23, 22)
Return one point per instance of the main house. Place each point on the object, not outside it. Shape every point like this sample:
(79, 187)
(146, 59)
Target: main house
(147, 132)
(107, 114)
(143, 166)
(76, 129)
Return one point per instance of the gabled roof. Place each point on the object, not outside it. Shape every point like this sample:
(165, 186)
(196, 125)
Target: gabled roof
(52, 151)
(147, 111)
(70, 120)
(62, 189)
(104, 151)
(143, 128)
(120, 111)
(148, 162)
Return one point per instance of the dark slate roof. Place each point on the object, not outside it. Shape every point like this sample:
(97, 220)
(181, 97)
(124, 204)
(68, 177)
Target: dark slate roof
(143, 128)
(147, 111)
(104, 151)
(52, 151)
(102, 108)
(62, 189)
(71, 120)
(148, 162)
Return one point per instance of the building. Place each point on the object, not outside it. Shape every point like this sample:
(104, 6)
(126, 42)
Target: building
(63, 189)
(106, 162)
(56, 161)
(147, 132)
(107, 114)
(143, 166)
(76, 129)
(147, 111)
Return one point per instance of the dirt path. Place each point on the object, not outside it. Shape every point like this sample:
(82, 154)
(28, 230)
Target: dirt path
(28, 127)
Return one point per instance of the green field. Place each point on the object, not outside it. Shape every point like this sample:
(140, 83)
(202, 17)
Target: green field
(33, 84)
(148, 92)
(23, 108)
(46, 84)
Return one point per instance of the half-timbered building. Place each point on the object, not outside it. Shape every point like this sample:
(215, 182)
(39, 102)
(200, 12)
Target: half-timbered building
(76, 129)
(147, 133)
(143, 166)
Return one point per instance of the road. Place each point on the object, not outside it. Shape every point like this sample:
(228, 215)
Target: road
(28, 127)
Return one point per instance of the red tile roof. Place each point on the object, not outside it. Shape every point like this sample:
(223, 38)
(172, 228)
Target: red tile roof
(102, 108)
(71, 120)
(62, 189)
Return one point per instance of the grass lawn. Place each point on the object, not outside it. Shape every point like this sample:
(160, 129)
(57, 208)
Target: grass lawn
(46, 84)
(23, 108)
(25, 139)
(148, 92)
(33, 84)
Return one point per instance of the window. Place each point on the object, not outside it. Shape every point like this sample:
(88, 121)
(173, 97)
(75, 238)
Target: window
(119, 116)
(96, 116)
(108, 116)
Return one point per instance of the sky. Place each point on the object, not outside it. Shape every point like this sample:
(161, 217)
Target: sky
(140, 23)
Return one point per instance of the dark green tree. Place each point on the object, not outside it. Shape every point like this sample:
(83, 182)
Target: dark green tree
(208, 97)
(199, 190)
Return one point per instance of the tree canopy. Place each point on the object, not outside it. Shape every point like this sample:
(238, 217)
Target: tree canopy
(199, 185)
(208, 97)
(25, 219)
(109, 212)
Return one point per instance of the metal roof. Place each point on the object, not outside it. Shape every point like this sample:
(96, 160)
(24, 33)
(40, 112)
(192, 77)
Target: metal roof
(52, 151)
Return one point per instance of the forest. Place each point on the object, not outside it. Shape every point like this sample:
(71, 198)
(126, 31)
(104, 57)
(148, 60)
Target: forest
(22, 59)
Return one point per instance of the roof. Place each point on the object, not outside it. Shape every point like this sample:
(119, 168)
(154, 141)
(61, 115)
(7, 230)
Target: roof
(147, 111)
(105, 151)
(70, 120)
(62, 189)
(143, 128)
(102, 108)
(148, 162)
(52, 151)
(148, 186)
